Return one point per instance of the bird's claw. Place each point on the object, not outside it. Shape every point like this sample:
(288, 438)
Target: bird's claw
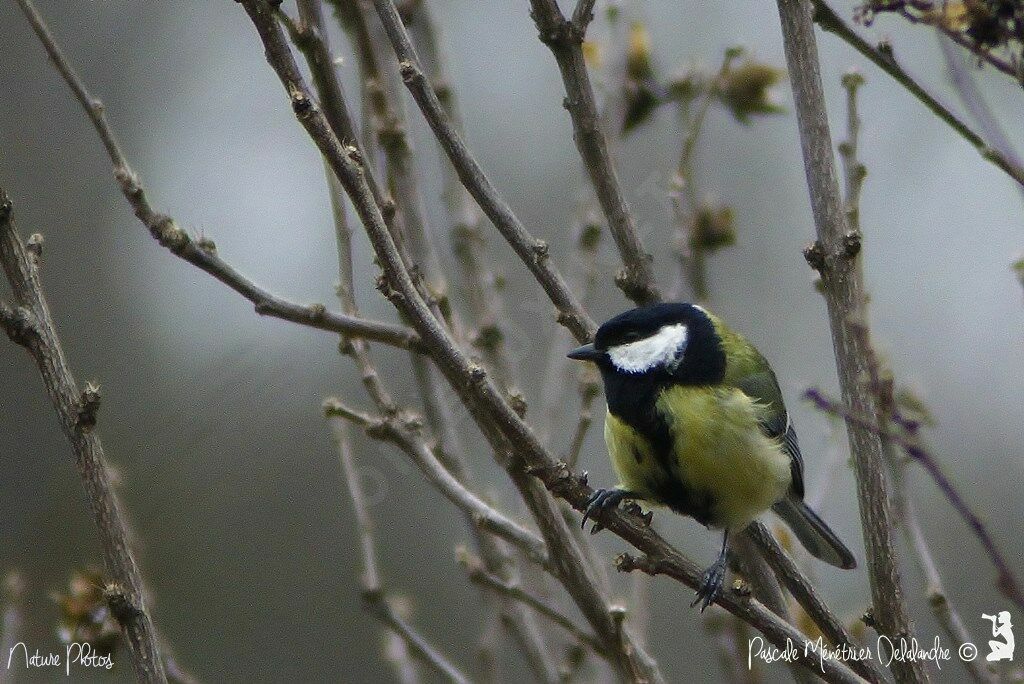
(600, 500)
(710, 585)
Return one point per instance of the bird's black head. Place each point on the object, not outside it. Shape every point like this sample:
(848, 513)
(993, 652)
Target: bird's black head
(676, 342)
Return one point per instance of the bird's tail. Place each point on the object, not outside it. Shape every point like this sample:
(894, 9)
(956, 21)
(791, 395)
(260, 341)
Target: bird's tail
(814, 534)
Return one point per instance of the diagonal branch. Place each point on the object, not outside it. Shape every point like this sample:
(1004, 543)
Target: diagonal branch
(795, 581)
(449, 452)
(30, 325)
(831, 22)
(974, 101)
(1006, 581)
(532, 252)
(479, 574)
(203, 253)
(565, 39)
(377, 600)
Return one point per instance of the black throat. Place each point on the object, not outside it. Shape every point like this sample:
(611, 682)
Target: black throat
(632, 397)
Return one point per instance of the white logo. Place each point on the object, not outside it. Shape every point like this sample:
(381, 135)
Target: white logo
(1001, 628)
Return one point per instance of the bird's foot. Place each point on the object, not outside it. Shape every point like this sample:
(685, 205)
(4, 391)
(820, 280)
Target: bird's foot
(710, 585)
(602, 499)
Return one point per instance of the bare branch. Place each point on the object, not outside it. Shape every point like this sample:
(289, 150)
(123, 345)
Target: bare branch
(31, 326)
(482, 289)
(583, 14)
(532, 252)
(565, 38)
(374, 595)
(803, 591)
(759, 577)
(973, 100)
(403, 434)
(478, 574)
(449, 453)
(203, 253)
(1006, 582)
(829, 21)
(842, 279)
(683, 185)
(746, 608)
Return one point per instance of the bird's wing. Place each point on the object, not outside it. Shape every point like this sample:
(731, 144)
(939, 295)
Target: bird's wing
(763, 388)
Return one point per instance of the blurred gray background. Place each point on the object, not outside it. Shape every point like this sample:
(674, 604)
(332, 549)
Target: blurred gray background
(211, 414)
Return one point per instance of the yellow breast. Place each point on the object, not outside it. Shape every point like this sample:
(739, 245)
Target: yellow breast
(718, 449)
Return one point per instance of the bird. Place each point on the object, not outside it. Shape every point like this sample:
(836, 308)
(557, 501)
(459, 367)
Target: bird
(696, 423)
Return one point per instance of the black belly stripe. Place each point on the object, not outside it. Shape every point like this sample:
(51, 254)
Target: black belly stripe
(632, 399)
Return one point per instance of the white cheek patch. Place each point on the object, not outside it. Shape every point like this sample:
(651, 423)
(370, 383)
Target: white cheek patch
(660, 349)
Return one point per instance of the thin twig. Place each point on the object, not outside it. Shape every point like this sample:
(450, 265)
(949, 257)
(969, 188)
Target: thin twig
(829, 21)
(481, 286)
(1006, 581)
(974, 101)
(479, 392)
(532, 252)
(30, 325)
(394, 140)
(377, 601)
(450, 452)
(589, 391)
(488, 319)
(935, 591)
(758, 575)
(565, 39)
(683, 185)
(855, 173)
(403, 434)
(478, 574)
(835, 256)
(202, 253)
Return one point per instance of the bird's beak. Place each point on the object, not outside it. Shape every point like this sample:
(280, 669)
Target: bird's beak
(585, 353)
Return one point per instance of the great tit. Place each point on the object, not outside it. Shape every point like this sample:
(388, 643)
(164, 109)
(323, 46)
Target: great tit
(696, 423)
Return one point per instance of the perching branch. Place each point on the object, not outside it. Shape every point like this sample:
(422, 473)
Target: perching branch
(803, 591)
(835, 255)
(29, 324)
(829, 21)
(482, 396)
(565, 39)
